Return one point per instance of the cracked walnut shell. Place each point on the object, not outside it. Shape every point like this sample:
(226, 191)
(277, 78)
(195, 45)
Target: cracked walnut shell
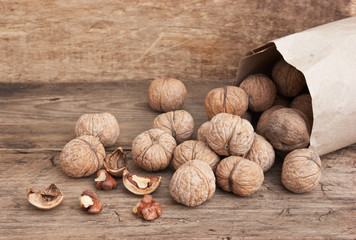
(47, 199)
(239, 175)
(301, 170)
(261, 153)
(152, 150)
(193, 183)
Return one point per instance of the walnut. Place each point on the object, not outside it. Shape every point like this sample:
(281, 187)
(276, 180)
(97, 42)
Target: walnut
(289, 80)
(166, 94)
(147, 208)
(262, 122)
(179, 124)
(202, 131)
(101, 125)
(228, 99)
(82, 156)
(190, 150)
(261, 153)
(239, 175)
(152, 150)
(193, 183)
(301, 170)
(286, 130)
(261, 92)
(304, 104)
(230, 135)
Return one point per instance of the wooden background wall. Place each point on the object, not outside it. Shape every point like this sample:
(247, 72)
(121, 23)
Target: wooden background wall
(94, 40)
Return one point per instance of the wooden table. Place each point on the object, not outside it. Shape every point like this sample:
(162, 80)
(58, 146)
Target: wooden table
(38, 119)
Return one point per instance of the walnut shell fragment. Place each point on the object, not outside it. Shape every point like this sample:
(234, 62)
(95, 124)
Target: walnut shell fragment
(115, 163)
(47, 199)
(203, 131)
(261, 153)
(140, 185)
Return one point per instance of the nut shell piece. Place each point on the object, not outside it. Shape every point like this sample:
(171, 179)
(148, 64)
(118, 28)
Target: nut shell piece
(104, 126)
(228, 99)
(115, 163)
(261, 153)
(192, 149)
(147, 208)
(179, 124)
(301, 170)
(230, 135)
(193, 183)
(203, 131)
(82, 156)
(47, 199)
(140, 185)
(166, 94)
(153, 150)
(239, 175)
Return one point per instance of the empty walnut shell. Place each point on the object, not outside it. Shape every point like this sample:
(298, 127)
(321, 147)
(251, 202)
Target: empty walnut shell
(166, 94)
(261, 92)
(193, 183)
(179, 124)
(82, 156)
(262, 122)
(239, 175)
(301, 170)
(203, 131)
(104, 126)
(140, 185)
(261, 153)
(304, 104)
(47, 199)
(228, 99)
(115, 163)
(230, 135)
(190, 150)
(153, 150)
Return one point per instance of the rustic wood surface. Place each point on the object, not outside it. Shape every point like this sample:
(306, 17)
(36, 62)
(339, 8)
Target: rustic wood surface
(38, 119)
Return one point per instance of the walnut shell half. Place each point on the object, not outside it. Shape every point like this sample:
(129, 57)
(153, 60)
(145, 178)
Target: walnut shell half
(115, 163)
(47, 199)
(140, 185)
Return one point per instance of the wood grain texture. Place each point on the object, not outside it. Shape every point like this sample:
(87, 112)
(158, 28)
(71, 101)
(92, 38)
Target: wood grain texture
(56, 41)
(38, 119)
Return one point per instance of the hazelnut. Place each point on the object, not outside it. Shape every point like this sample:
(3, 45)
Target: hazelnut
(301, 170)
(304, 104)
(261, 92)
(230, 135)
(190, 150)
(166, 94)
(261, 153)
(147, 208)
(262, 122)
(193, 183)
(115, 163)
(101, 125)
(140, 185)
(82, 156)
(228, 99)
(179, 124)
(152, 150)
(289, 80)
(90, 202)
(286, 130)
(203, 131)
(239, 175)
(104, 181)
(47, 199)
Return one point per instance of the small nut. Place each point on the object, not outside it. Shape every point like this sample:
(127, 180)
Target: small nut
(203, 131)
(89, 201)
(304, 104)
(301, 170)
(47, 199)
(261, 153)
(104, 181)
(140, 185)
(262, 122)
(115, 163)
(179, 124)
(239, 175)
(228, 99)
(147, 208)
(166, 94)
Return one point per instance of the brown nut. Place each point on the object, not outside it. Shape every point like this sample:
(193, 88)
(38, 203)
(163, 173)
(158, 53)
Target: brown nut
(104, 181)
(230, 135)
(140, 185)
(261, 153)
(147, 208)
(104, 126)
(228, 99)
(239, 175)
(47, 199)
(262, 122)
(203, 131)
(166, 94)
(179, 124)
(89, 201)
(82, 156)
(286, 130)
(115, 163)
(192, 149)
(301, 170)
(152, 150)
(261, 92)
(304, 104)
(193, 183)
(289, 80)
